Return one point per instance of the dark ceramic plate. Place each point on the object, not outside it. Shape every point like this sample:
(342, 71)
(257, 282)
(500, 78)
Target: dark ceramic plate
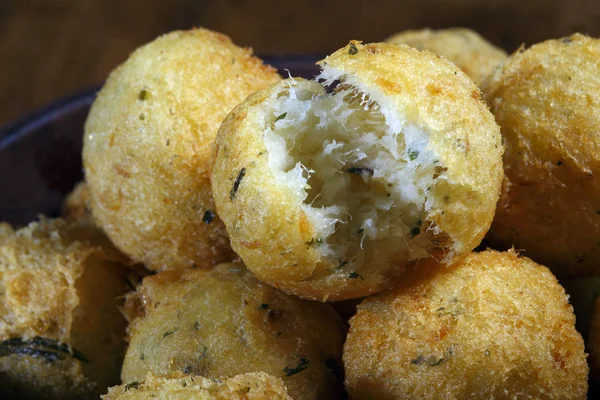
(40, 155)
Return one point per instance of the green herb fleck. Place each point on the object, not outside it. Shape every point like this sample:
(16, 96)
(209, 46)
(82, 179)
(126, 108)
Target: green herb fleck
(188, 369)
(432, 361)
(142, 356)
(208, 217)
(342, 263)
(48, 349)
(282, 116)
(236, 184)
(144, 94)
(263, 306)
(353, 50)
(413, 154)
(416, 229)
(196, 325)
(438, 170)
(302, 365)
(315, 242)
(278, 333)
(203, 354)
(354, 275)
(168, 333)
(559, 163)
(132, 385)
(142, 117)
(362, 171)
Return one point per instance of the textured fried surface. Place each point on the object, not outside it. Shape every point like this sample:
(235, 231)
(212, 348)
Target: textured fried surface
(250, 386)
(223, 322)
(266, 223)
(464, 47)
(547, 102)
(58, 295)
(147, 144)
(494, 326)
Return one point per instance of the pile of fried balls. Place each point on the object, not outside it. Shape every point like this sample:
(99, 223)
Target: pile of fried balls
(391, 229)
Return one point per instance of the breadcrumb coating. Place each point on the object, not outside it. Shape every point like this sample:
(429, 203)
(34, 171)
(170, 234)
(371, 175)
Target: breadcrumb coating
(61, 332)
(546, 100)
(148, 140)
(495, 326)
(250, 386)
(467, 49)
(329, 189)
(223, 322)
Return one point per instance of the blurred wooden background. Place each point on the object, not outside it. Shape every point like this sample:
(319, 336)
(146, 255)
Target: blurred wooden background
(53, 48)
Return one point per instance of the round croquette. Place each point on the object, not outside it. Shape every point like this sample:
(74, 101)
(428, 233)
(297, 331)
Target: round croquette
(250, 386)
(222, 322)
(495, 326)
(546, 100)
(61, 332)
(148, 141)
(330, 188)
(467, 49)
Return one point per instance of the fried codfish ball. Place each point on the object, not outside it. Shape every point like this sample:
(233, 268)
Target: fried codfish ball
(250, 386)
(148, 140)
(495, 326)
(330, 188)
(467, 49)
(547, 102)
(223, 322)
(61, 332)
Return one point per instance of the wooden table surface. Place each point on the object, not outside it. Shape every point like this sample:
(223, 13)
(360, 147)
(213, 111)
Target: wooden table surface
(53, 48)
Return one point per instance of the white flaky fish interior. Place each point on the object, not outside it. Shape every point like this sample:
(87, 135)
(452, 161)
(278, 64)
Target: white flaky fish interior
(361, 172)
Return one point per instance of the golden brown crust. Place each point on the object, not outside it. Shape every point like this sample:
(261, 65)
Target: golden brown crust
(250, 386)
(494, 326)
(61, 332)
(547, 102)
(271, 232)
(148, 140)
(464, 47)
(223, 322)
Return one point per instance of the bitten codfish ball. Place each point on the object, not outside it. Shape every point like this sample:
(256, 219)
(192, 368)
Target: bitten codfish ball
(467, 49)
(330, 188)
(546, 100)
(496, 325)
(61, 332)
(222, 322)
(148, 140)
(250, 386)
